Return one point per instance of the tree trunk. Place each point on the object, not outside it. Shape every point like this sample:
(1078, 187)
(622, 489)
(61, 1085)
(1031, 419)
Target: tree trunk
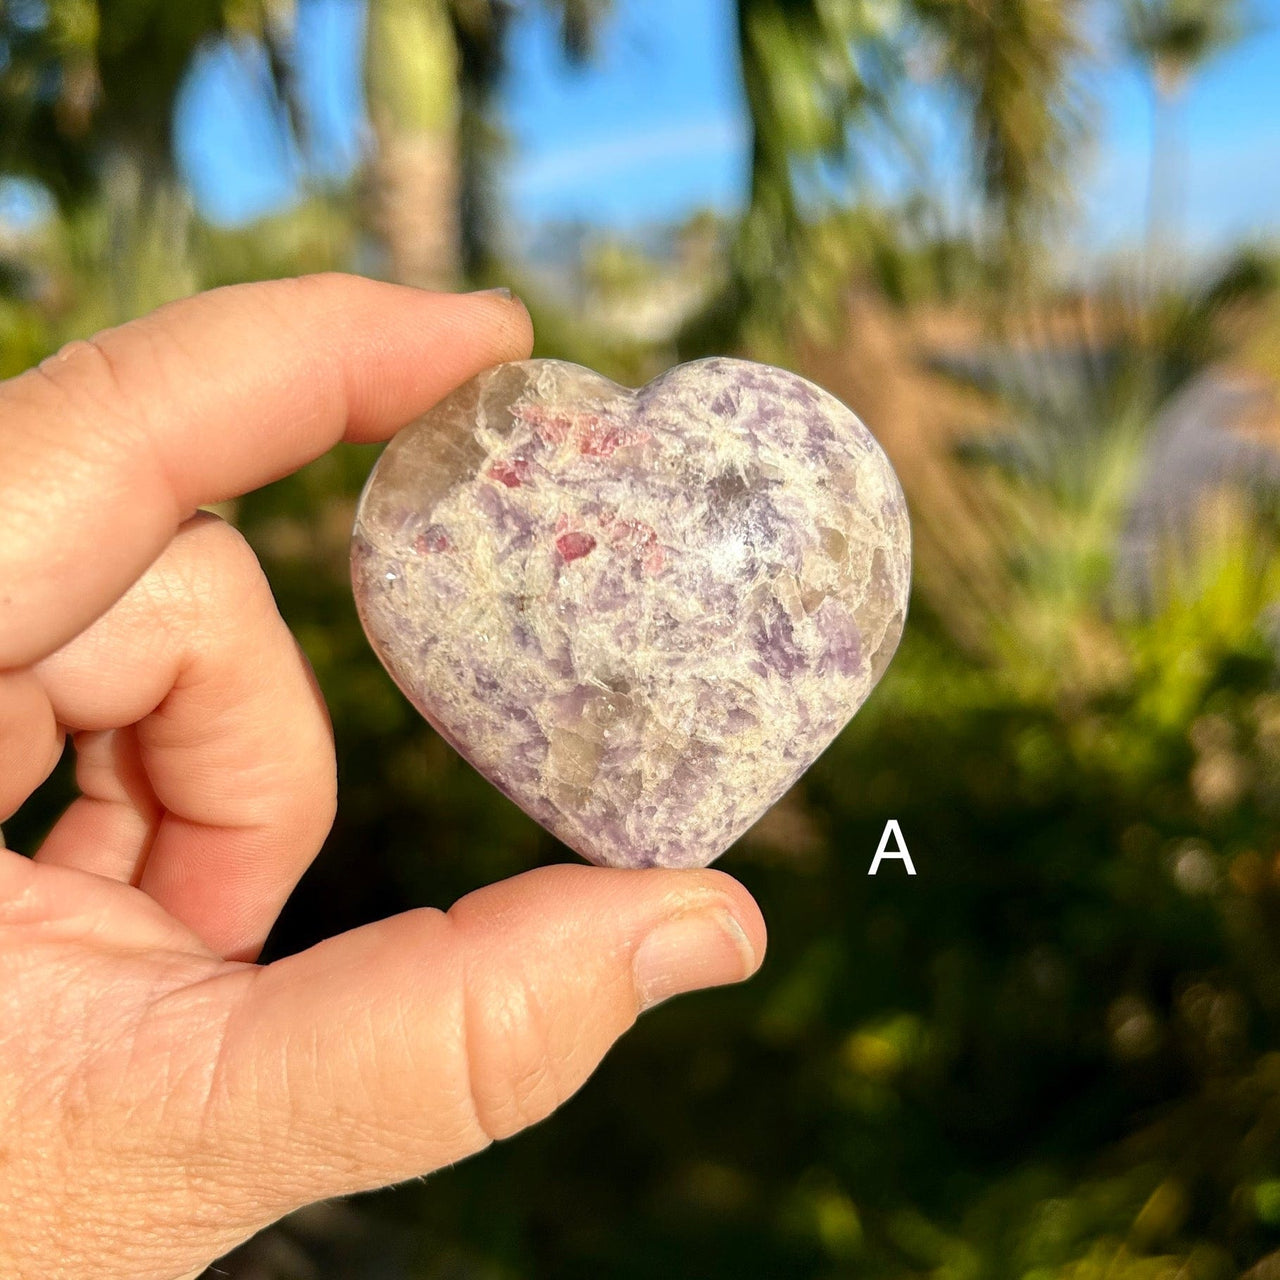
(1166, 179)
(411, 75)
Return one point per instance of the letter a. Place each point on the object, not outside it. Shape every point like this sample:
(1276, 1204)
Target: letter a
(901, 852)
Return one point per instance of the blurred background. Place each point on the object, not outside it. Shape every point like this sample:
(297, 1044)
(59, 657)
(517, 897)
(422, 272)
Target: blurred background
(1036, 245)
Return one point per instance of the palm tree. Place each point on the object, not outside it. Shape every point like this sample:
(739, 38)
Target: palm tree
(1012, 64)
(822, 80)
(432, 68)
(412, 90)
(83, 81)
(89, 85)
(811, 71)
(87, 92)
(1173, 39)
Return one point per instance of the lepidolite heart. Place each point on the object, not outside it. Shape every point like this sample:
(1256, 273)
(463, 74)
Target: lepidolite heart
(641, 614)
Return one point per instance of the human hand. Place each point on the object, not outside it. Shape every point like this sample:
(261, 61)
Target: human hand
(162, 1097)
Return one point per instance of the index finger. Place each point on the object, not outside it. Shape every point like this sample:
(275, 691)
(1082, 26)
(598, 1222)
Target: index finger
(111, 444)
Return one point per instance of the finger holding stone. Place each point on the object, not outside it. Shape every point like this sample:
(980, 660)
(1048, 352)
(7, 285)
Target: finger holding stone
(109, 445)
(222, 792)
(414, 1042)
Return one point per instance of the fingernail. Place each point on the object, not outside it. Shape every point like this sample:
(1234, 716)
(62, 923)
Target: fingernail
(500, 292)
(701, 949)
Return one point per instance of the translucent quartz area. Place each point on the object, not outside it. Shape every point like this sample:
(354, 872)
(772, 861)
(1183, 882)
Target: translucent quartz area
(641, 614)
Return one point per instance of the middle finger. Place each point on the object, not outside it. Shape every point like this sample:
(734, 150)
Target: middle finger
(222, 793)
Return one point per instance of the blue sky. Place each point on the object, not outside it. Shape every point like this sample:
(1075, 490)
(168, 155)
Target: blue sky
(653, 128)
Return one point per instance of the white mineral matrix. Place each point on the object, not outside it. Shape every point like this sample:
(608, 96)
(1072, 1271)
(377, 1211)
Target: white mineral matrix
(640, 614)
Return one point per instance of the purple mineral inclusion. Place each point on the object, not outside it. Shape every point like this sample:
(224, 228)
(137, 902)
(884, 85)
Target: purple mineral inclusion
(640, 614)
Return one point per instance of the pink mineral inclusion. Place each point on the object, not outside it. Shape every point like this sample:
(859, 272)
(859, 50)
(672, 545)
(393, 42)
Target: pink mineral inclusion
(431, 539)
(593, 435)
(512, 473)
(641, 540)
(574, 545)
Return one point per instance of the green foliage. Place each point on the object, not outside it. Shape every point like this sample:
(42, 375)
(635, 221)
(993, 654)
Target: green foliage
(85, 78)
(824, 88)
(1175, 37)
(1013, 64)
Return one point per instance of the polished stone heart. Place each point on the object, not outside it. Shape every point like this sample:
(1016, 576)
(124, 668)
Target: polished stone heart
(641, 614)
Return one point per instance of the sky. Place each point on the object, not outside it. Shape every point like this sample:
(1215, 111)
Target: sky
(653, 128)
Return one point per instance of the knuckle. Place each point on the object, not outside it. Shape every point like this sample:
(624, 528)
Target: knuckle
(117, 377)
(86, 366)
(514, 1066)
(211, 589)
(306, 808)
(21, 891)
(212, 568)
(321, 282)
(223, 552)
(297, 296)
(103, 372)
(86, 381)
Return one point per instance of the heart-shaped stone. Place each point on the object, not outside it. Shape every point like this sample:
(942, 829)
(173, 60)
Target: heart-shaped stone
(641, 614)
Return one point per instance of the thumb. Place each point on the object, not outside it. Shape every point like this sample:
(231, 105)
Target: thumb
(411, 1043)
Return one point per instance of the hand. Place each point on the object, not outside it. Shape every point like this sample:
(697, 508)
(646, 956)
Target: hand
(162, 1097)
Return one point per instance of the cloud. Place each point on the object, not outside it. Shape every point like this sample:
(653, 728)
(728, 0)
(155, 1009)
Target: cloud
(544, 174)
